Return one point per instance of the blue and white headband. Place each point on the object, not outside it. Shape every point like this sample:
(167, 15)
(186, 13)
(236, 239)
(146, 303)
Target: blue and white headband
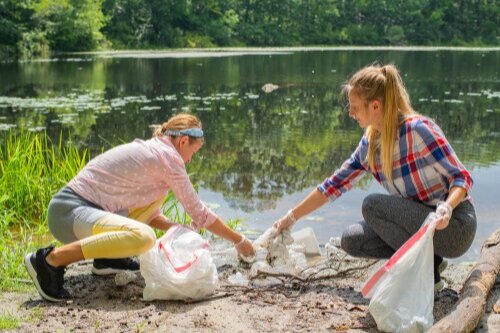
(194, 132)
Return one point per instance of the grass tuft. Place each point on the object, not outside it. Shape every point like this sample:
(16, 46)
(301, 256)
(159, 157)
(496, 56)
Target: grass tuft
(9, 321)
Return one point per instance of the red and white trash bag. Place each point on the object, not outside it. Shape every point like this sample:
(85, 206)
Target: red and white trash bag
(402, 291)
(178, 267)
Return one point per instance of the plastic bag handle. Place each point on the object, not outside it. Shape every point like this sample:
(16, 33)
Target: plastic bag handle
(166, 249)
(430, 224)
(181, 268)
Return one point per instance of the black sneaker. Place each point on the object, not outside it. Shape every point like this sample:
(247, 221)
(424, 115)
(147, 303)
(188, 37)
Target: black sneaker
(48, 280)
(105, 266)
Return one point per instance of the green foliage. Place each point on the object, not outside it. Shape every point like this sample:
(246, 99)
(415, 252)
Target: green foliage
(396, 35)
(30, 28)
(70, 25)
(15, 20)
(33, 44)
(128, 22)
(193, 40)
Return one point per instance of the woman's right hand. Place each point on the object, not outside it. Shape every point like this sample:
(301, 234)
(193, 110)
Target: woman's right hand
(285, 222)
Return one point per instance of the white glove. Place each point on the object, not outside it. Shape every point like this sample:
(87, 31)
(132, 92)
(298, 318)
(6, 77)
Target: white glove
(443, 211)
(285, 222)
(245, 249)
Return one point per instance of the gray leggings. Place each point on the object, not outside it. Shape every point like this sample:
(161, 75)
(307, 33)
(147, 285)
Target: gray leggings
(391, 220)
(101, 234)
(71, 217)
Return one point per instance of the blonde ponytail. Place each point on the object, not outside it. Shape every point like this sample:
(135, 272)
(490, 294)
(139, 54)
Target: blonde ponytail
(382, 83)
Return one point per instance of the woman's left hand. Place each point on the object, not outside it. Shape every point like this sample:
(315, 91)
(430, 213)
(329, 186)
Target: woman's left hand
(443, 212)
(442, 223)
(245, 248)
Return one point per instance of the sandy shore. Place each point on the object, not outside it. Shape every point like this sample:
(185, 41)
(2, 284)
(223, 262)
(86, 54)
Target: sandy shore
(326, 305)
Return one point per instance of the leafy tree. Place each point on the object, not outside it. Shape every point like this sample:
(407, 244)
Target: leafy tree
(70, 25)
(14, 22)
(33, 27)
(128, 22)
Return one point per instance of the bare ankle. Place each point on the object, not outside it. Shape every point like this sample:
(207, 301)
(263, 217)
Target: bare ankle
(51, 259)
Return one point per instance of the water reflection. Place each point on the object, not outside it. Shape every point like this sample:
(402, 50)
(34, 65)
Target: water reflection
(260, 146)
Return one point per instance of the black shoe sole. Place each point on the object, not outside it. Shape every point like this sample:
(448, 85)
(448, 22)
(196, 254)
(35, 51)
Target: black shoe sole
(32, 273)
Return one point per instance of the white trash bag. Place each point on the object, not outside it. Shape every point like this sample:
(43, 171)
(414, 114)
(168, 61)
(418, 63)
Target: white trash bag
(402, 291)
(178, 267)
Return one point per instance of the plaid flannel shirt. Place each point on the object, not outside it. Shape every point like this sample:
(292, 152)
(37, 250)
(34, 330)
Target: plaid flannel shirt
(425, 167)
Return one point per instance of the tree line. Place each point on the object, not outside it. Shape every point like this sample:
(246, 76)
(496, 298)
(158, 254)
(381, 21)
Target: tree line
(37, 27)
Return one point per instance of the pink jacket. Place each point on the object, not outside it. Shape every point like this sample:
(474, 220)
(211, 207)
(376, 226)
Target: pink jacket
(136, 174)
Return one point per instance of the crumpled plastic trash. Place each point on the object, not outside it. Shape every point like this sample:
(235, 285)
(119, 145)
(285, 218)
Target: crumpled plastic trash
(124, 277)
(333, 250)
(238, 279)
(273, 254)
(277, 253)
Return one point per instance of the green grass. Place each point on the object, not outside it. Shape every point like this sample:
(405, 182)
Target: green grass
(32, 169)
(172, 210)
(9, 321)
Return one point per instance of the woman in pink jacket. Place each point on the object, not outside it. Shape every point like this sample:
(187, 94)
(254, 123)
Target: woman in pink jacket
(108, 210)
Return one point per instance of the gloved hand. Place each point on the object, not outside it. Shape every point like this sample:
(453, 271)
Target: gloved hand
(443, 212)
(245, 249)
(285, 222)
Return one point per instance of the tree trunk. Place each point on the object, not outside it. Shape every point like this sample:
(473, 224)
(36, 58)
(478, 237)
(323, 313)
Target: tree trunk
(472, 302)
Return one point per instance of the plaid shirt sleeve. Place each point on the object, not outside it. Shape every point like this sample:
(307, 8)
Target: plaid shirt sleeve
(435, 149)
(349, 173)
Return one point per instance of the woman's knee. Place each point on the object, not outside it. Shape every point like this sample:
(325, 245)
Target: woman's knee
(454, 242)
(145, 238)
(371, 203)
(349, 242)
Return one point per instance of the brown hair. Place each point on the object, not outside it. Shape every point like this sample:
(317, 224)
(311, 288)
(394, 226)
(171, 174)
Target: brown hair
(179, 122)
(382, 83)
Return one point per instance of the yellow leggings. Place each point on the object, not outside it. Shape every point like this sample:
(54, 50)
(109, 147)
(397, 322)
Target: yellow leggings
(102, 234)
(115, 236)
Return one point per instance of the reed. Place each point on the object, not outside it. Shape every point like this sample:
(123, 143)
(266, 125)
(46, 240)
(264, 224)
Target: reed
(32, 169)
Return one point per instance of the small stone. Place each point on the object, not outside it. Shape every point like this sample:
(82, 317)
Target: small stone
(124, 277)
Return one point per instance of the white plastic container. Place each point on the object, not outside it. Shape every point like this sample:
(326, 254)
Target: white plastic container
(307, 239)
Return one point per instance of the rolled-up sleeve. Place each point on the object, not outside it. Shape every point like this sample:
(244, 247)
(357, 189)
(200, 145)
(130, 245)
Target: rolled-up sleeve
(180, 184)
(347, 175)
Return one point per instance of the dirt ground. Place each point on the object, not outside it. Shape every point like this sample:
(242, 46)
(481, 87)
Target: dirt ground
(327, 305)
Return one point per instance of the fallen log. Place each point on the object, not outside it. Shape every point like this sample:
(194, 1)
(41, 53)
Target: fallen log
(471, 304)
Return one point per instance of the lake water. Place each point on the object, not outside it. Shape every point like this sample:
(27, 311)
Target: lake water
(264, 151)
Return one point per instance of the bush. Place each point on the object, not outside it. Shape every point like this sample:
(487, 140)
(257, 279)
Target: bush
(193, 40)
(33, 44)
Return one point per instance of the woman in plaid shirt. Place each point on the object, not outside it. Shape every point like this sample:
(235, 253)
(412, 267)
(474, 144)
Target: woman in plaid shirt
(410, 157)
